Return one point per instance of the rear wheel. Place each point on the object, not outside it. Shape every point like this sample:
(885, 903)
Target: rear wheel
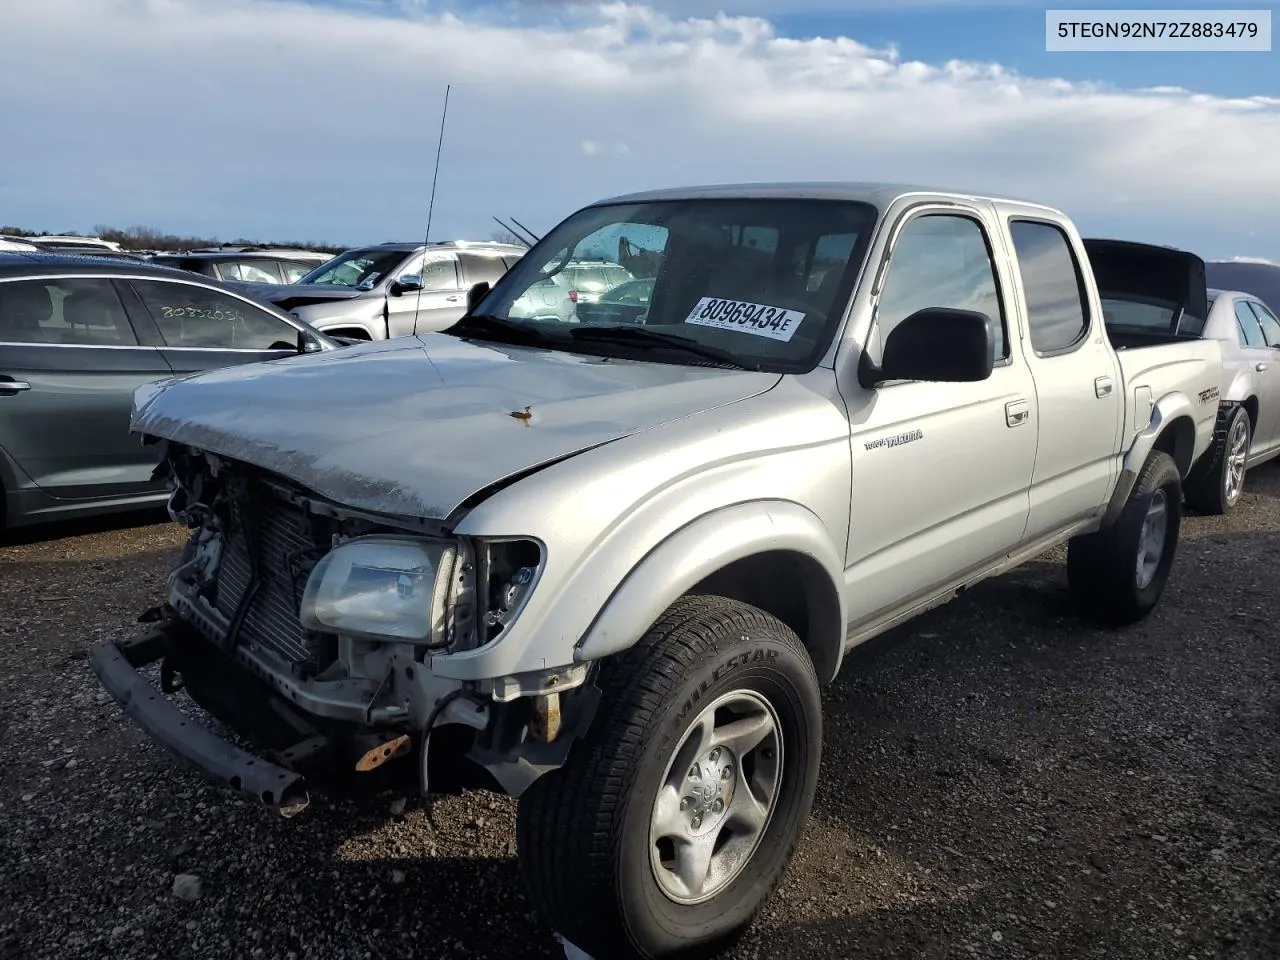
(1118, 574)
(674, 818)
(1215, 487)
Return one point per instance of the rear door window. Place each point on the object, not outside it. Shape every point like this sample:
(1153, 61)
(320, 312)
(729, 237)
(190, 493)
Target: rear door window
(1270, 325)
(80, 312)
(479, 269)
(294, 270)
(1247, 326)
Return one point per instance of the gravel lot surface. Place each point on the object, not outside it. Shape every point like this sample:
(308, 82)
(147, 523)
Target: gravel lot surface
(999, 781)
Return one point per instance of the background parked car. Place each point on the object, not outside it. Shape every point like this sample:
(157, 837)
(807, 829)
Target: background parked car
(391, 289)
(626, 303)
(70, 244)
(580, 281)
(247, 264)
(1248, 429)
(77, 336)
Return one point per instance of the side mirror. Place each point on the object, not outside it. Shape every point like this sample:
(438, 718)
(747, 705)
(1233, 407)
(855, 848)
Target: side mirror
(307, 343)
(937, 344)
(476, 294)
(406, 283)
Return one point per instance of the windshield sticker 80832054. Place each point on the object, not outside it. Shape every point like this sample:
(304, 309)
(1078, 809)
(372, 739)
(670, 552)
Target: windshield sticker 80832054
(777, 323)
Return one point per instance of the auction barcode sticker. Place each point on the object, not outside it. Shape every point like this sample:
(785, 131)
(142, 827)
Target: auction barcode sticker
(760, 319)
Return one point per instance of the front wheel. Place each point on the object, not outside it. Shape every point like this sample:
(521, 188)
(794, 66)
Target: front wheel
(674, 818)
(1117, 574)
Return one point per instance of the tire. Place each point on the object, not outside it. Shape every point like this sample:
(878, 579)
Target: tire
(1215, 485)
(590, 854)
(1106, 579)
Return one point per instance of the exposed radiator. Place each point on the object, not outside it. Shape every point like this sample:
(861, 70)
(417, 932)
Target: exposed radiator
(286, 552)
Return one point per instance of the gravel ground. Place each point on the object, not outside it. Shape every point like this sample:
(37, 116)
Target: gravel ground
(999, 781)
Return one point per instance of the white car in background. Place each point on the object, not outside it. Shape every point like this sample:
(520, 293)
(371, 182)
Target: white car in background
(1248, 429)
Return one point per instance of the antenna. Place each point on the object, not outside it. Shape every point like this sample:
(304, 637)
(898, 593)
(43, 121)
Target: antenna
(511, 230)
(431, 205)
(536, 238)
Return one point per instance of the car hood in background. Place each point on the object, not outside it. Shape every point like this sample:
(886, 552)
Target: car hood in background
(286, 296)
(417, 425)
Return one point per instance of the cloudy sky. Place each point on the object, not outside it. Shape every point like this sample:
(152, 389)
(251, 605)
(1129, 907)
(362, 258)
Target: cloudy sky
(289, 119)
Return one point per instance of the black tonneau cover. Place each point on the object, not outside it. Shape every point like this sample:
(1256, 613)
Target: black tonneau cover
(1125, 270)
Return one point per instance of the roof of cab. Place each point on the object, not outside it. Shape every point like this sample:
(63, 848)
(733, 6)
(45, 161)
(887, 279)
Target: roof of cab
(879, 195)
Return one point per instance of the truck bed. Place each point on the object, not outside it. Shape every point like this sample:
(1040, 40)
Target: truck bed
(1192, 366)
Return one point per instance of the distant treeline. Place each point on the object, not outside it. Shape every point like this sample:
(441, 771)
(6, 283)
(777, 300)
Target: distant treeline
(149, 238)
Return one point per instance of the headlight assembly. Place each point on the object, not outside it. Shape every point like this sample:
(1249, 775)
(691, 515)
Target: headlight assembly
(383, 588)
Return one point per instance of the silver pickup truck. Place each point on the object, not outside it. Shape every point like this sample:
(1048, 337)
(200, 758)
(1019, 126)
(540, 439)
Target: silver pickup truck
(607, 567)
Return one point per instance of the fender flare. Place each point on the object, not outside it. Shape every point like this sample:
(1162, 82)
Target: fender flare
(1166, 413)
(711, 542)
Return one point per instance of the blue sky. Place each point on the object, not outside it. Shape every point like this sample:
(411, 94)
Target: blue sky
(143, 111)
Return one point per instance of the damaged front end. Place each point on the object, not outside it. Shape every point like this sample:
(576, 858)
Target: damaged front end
(308, 629)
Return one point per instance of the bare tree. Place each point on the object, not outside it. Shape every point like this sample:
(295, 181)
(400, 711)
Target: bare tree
(506, 236)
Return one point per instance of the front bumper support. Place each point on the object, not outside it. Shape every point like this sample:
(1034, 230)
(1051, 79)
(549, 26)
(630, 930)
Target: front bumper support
(116, 665)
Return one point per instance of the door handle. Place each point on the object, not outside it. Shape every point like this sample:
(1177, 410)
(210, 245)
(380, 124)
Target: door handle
(1102, 387)
(1260, 367)
(1016, 413)
(10, 387)
(453, 299)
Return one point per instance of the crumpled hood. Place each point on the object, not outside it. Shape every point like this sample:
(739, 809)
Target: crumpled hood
(416, 425)
(288, 295)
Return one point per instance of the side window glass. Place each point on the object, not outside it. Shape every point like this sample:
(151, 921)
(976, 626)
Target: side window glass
(259, 271)
(228, 270)
(193, 316)
(1247, 323)
(941, 260)
(1270, 325)
(80, 312)
(1057, 306)
(483, 269)
(293, 272)
(440, 275)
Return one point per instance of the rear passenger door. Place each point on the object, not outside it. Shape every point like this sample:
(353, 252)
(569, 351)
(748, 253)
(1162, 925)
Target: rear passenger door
(1077, 378)
(70, 361)
(200, 328)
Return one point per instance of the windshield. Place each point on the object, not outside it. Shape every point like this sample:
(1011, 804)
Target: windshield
(763, 281)
(356, 268)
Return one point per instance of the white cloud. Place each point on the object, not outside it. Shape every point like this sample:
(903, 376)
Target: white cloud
(275, 118)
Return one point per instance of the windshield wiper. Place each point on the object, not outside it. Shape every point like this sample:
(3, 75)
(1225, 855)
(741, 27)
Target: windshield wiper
(673, 341)
(490, 327)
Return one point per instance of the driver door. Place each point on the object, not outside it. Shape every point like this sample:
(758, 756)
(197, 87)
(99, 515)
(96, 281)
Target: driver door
(201, 328)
